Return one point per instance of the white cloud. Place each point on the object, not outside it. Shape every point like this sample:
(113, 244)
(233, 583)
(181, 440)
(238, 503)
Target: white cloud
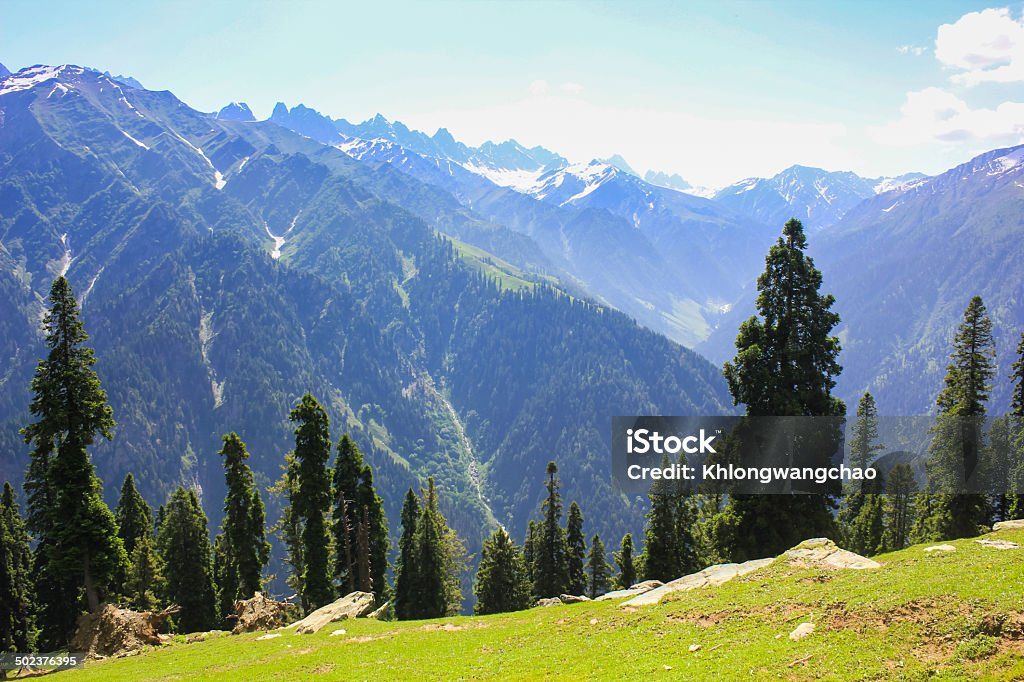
(571, 88)
(912, 49)
(936, 115)
(539, 87)
(985, 46)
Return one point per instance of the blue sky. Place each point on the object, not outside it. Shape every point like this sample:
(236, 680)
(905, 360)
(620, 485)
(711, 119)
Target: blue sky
(715, 91)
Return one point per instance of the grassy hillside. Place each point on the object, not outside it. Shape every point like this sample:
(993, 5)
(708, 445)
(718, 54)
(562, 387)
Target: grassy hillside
(938, 615)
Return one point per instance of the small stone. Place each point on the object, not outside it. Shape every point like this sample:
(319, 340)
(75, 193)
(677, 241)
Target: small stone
(269, 635)
(694, 647)
(940, 548)
(667, 667)
(339, 631)
(593, 621)
(802, 630)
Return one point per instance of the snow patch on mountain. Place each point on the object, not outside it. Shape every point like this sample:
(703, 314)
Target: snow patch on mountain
(26, 79)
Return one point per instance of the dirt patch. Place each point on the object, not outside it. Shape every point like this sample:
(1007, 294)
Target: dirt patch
(704, 620)
(445, 627)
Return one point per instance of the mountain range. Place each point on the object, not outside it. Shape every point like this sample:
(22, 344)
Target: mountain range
(465, 312)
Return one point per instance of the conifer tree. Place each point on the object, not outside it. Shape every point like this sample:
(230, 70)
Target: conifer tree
(312, 450)
(785, 365)
(946, 511)
(183, 544)
(598, 570)
(375, 530)
(348, 467)
(900, 488)
(530, 552)
(576, 551)
(145, 579)
(289, 526)
(862, 450)
(133, 515)
(1017, 382)
(437, 555)
(17, 623)
(406, 577)
(1015, 505)
(78, 551)
(624, 560)
(684, 518)
(241, 549)
(661, 547)
(501, 582)
(551, 565)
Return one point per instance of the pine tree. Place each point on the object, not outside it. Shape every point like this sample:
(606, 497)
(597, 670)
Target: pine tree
(865, 534)
(947, 511)
(1015, 504)
(862, 450)
(551, 565)
(501, 582)
(684, 518)
(1017, 381)
(133, 515)
(437, 554)
(241, 549)
(661, 547)
(145, 579)
(79, 549)
(624, 560)
(530, 552)
(375, 526)
(289, 526)
(576, 549)
(785, 365)
(183, 544)
(598, 570)
(312, 450)
(900, 489)
(17, 624)
(348, 467)
(406, 577)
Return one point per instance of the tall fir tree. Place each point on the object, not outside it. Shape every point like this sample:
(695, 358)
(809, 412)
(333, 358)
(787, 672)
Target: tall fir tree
(145, 581)
(1015, 505)
(348, 466)
(530, 551)
(858, 534)
(17, 622)
(242, 549)
(551, 564)
(289, 526)
(183, 543)
(1017, 382)
(312, 450)
(501, 581)
(375, 526)
(79, 552)
(406, 577)
(598, 571)
(133, 515)
(946, 511)
(624, 561)
(661, 559)
(437, 554)
(576, 551)
(785, 365)
(900, 488)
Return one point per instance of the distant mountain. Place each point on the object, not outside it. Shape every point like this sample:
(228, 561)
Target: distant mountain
(904, 264)
(124, 80)
(224, 268)
(662, 179)
(817, 197)
(4, 72)
(617, 161)
(236, 111)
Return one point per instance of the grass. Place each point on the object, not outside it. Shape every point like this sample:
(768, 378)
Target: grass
(941, 616)
(508, 276)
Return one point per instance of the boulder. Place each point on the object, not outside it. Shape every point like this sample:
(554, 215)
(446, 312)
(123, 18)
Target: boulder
(709, 577)
(354, 605)
(998, 544)
(823, 553)
(1016, 524)
(572, 598)
(258, 613)
(801, 631)
(940, 548)
(647, 585)
(111, 631)
(622, 594)
(549, 601)
(385, 612)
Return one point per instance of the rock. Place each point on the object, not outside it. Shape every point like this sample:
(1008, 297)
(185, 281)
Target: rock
(622, 594)
(110, 631)
(694, 647)
(385, 612)
(940, 548)
(339, 632)
(998, 544)
(549, 601)
(823, 553)
(269, 635)
(802, 630)
(1016, 524)
(573, 598)
(258, 613)
(709, 577)
(647, 585)
(354, 605)
(203, 636)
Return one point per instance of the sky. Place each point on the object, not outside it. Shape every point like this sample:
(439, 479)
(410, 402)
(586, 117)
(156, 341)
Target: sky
(714, 91)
